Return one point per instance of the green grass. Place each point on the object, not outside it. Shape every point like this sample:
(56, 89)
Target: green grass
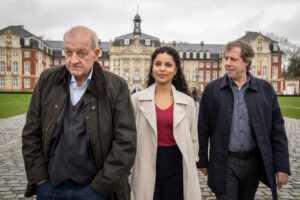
(13, 104)
(290, 106)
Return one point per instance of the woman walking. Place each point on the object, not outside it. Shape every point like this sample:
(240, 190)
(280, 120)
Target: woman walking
(167, 140)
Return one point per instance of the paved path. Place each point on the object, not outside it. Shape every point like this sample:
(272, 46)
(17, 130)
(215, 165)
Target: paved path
(13, 179)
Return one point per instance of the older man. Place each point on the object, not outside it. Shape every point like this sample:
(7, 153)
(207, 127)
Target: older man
(79, 140)
(241, 118)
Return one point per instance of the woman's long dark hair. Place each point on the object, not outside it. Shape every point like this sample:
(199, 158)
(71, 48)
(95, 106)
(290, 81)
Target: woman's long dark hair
(178, 80)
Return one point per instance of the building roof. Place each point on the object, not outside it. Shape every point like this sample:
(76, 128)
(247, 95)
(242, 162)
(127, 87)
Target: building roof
(19, 30)
(55, 44)
(249, 36)
(214, 48)
(131, 36)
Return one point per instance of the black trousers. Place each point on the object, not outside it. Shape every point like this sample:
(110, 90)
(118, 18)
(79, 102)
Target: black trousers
(169, 175)
(242, 178)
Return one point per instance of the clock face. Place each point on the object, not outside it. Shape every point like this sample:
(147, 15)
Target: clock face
(137, 24)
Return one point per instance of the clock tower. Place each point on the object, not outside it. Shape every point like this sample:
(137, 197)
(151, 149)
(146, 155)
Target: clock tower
(137, 25)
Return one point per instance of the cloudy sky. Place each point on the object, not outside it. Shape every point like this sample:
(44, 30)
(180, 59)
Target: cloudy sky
(211, 21)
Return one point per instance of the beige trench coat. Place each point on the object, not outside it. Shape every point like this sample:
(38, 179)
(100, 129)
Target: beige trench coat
(142, 178)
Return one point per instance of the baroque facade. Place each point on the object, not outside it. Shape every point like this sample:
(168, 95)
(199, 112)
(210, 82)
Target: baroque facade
(23, 56)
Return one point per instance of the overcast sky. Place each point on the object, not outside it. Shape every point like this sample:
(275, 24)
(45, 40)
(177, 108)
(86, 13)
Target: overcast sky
(211, 21)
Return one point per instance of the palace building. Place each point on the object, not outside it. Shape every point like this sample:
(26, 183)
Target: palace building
(23, 56)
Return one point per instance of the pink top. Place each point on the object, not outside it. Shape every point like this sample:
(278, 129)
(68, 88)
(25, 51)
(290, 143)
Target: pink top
(164, 120)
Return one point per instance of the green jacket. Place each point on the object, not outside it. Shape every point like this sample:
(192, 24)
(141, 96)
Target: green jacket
(110, 126)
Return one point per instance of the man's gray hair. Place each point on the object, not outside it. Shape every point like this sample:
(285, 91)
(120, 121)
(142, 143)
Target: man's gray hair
(94, 37)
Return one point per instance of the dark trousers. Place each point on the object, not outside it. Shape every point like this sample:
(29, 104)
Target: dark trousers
(47, 191)
(169, 175)
(241, 180)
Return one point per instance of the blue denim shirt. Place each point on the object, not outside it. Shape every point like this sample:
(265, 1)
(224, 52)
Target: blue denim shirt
(241, 138)
(77, 92)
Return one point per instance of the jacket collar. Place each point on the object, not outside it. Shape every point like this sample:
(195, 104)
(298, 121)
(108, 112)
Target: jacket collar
(252, 83)
(97, 84)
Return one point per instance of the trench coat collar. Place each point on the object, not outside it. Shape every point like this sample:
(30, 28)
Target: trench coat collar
(148, 106)
(252, 82)
(97, 84)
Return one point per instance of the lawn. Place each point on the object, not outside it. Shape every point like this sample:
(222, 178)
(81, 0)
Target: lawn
(290, 106)
(13, 104)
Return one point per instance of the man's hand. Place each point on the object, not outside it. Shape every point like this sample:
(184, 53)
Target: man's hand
(204, 171)
(41, 182)
(282, 179)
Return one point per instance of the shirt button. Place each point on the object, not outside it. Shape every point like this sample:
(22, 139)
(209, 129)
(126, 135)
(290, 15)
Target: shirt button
(87, 117)
(93, 107)
(55, 106)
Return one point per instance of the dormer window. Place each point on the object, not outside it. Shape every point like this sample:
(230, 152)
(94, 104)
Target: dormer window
(181, 54)
(195, 55)
(187, 55)
(207, 55)
(147, 42)
(275, 47)
(27, 42)
(126, 42)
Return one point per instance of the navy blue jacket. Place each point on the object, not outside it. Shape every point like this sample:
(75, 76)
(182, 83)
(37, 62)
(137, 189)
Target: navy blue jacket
(267, 124)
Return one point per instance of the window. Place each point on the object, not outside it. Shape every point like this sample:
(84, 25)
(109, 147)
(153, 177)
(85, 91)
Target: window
(147, 42)
(2, 41)
(106, 63)
(275, 46)
(117, 62)
(63, 62)
(207, 65)
(15, 67)
(265, 48)
(181, 54)
(201, 65)
(147, 74)
(195, 65)
(126, 42)
(275, 86)
(254, 58)
(27, 41)
(126, 62)
(56, 62)
(254, 47)
(201, 55)
(15, 41)
(187, 75)
(201, 87)
(194, 75)
(207, 55)
(208, 75)
(117, 71)
(253, 70)
(265, 59)
(15, 82)
(137, 62)
(27, 54)
(27, 83)
(264, 72)
(2, 53)
(187, 55)
(27, 67)
(147, 63)
(275, 72)
(2, 67)
(136, 74)
(2, 82)
(275, 59)
(126, 74)
(215, 65)
(15, 53)
(195, 55)
(214, 75)
(201, 75)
